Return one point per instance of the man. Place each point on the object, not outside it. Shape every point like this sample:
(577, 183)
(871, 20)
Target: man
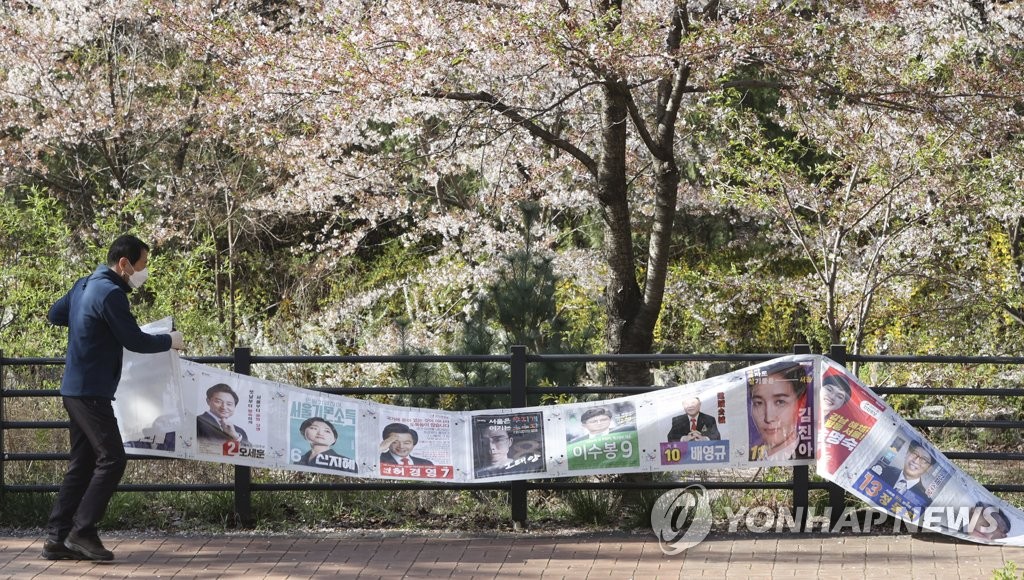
(322, 436)
(694, 425)
(495, 455)
(100, 326)
(775, 403)
(907, 480)
(494, 444)
(598, 421)
(212, 427)
(397, 445)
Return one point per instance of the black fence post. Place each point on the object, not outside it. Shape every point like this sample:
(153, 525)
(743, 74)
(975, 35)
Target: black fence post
(243, 473)
(3, 425)
(517, 493)
(836, 494)
(801, 473)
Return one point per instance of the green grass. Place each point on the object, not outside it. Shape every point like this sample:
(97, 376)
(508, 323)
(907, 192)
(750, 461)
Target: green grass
(591, 506)
(1007, 572)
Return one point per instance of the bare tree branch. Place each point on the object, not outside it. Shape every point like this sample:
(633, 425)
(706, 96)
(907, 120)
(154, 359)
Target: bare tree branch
(518, 118)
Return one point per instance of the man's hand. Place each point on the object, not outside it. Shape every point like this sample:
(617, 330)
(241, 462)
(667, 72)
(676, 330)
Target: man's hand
(385, 445)
(177, 341)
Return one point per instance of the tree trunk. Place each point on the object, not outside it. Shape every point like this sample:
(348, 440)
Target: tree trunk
(624, 299)
(632, 311)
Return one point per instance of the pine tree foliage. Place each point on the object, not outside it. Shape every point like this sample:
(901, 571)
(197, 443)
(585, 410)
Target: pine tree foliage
(520, 308)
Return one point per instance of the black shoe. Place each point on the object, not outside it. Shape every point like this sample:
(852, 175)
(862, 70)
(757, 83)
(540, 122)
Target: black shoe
(53, 550)
(88, 548)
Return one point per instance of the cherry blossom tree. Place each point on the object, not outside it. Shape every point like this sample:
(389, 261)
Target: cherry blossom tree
(335, 129)
(106, 113)
(606, 105)
(576, 104)
(876, 190)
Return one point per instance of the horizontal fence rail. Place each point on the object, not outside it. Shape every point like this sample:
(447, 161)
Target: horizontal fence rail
(519, 393)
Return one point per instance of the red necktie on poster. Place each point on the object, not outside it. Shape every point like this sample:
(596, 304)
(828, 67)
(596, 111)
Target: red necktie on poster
(693, 424)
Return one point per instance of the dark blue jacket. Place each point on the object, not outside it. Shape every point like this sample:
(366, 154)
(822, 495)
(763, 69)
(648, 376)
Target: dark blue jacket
(100, 325)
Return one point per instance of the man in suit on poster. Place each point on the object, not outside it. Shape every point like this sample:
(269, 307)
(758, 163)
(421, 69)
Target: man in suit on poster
(907, 480)
(694, 425)
(213, 427)
(598, 422)
(398, 442)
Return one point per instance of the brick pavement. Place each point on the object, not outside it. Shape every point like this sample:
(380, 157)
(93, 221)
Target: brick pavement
(612, 556)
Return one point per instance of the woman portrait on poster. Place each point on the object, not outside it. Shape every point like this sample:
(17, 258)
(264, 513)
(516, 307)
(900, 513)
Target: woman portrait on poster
(776, 400)
(321, 435)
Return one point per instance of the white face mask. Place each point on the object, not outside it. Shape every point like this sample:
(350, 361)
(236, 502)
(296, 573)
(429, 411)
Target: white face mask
(138, 278)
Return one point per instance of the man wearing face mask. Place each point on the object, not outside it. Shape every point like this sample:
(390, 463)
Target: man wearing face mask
(100, 325)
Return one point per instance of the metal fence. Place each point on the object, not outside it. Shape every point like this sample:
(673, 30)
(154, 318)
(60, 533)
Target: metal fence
(519, 393)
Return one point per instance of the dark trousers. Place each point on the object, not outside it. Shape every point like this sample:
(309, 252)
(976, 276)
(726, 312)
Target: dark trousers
(97, 463)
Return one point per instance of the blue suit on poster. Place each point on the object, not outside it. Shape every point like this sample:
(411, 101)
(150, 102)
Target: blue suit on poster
(915, 493)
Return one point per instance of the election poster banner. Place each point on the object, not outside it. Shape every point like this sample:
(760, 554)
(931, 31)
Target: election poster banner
(602, 437)
(231, 415)
(508, 444)
(872, 452)
(693, 426)
(780, 411)
(793, 410)
(847, 413)
(322, 433)
(154, 417)
(415, 443)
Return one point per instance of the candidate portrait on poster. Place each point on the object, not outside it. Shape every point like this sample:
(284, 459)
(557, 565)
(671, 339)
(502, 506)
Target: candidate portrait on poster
(696, 434)
(227, 420)
(602, 435)
(508, 444)
(847, 414)
(780, 404)
(160, 436)
(905, 477)
(322, 432)
(416, 445)
(693, 424)
(216, 423)
(153, 415)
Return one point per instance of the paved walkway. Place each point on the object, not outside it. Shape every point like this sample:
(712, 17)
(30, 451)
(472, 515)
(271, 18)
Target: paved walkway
(613, 556)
